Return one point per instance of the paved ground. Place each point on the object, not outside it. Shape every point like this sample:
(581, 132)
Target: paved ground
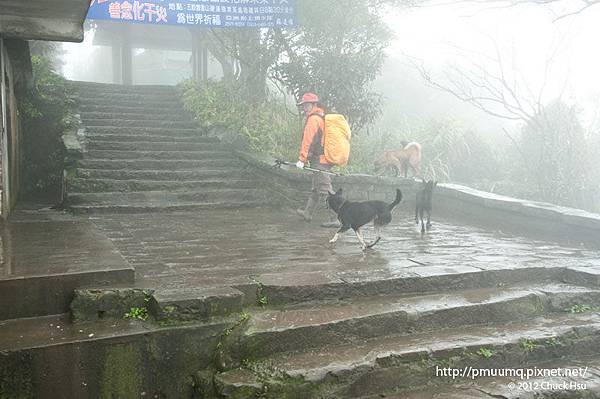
(228, 247)
(39, 242)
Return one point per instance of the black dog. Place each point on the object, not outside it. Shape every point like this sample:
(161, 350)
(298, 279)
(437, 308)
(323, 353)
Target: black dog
(424, 199)
(356, 214)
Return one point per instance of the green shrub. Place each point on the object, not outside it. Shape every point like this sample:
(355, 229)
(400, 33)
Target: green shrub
(268, 127)
(46, 113)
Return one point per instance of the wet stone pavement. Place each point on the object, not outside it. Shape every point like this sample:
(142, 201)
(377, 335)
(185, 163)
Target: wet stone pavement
(226, 248)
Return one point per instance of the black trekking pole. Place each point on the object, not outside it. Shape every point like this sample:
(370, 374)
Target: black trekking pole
(278, 164)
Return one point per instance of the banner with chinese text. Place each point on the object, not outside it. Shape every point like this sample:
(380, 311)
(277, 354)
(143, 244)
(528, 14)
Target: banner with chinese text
(200, 13)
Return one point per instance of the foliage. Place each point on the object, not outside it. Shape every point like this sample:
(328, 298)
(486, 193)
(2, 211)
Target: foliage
(527, 345)
(584, 308)
(448, 149)
(337, 54)
(140, 313)
(485, 353)
(556, 162)
(51, 51)
(267, 127)
(45, 114)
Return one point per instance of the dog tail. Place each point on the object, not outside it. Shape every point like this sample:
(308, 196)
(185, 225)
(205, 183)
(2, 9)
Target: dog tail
(397, 200)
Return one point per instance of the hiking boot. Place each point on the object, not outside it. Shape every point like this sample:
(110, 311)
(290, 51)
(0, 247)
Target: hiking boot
(304, 214)
(311, 205)
(333, 223)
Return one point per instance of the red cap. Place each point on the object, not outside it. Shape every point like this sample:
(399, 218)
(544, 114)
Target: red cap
(309, 98)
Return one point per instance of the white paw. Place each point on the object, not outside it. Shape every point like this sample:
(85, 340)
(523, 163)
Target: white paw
(332, 241)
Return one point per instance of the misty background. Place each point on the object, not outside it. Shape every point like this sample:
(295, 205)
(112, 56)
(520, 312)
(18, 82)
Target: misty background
(548, 59)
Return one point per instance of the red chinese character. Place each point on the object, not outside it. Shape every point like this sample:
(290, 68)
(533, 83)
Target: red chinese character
(127, 11)
(114, 9)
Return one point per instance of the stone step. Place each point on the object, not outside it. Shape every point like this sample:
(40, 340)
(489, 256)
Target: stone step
(140, 116)
(165, 109)
(159, 155)
(196, 304)
(92, 132)
(118, 88)
(233, 204)
(320, 325)
(407, 362)
(158, 164)
(148, 135)
(78, 185)
(162, 197)
(166, 97)
(288, 288)
(154, 146)
(163, 305)
(125, 123)
(153, 103)
(155, 175)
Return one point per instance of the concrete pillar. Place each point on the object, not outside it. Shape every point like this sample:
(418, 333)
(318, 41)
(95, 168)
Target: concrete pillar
(127, 56)
(117, 67)
(199, 58)
(122, 57)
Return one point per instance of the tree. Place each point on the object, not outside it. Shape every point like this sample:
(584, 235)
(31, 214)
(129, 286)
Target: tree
(557, 155)
(336, 52)
(569, 7)
(552, 147)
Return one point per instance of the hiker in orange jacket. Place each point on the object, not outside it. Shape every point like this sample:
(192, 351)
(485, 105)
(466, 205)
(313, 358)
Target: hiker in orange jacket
(311, 151)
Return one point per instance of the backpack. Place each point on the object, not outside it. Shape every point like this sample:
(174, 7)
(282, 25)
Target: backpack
(336, 140)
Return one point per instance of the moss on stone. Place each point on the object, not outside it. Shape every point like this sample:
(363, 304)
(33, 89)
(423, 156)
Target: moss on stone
(122, 372)
(15, 377)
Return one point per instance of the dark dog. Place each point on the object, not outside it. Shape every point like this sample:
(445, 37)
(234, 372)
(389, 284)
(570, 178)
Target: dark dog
(354, 215)
(424, 200)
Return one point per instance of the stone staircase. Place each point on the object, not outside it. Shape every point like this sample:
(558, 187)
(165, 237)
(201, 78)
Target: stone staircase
(376, 342)
(144, 153)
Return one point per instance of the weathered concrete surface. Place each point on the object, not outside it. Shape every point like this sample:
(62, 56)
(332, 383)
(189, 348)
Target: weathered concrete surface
(271, 247)
(139, 152)
(59, 20)
(408, 362)
(50, 357)
(46, 255)
(355, 320)
(207, 264)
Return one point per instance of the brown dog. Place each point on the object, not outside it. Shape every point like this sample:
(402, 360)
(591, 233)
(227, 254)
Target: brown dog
(401, 160)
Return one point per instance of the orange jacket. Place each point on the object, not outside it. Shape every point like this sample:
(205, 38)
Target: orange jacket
(312, 139)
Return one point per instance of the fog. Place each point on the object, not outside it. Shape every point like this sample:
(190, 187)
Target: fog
(544, 60)
(528, 35)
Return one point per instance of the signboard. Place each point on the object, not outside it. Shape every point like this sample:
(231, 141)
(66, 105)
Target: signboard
(200, 13)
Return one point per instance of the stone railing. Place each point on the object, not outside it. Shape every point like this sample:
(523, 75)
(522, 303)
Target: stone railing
(517, 215)
(291, 186)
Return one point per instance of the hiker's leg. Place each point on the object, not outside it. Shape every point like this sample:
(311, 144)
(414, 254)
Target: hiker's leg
(323, 185)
